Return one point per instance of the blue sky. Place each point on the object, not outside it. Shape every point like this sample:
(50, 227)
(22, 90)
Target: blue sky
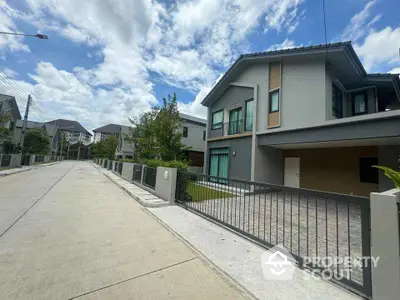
(107, 60)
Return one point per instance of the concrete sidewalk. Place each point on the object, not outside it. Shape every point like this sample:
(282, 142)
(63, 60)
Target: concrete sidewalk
(80, 236)
(241, 259)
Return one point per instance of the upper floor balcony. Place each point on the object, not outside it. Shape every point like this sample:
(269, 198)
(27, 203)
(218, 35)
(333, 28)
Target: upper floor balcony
(232, 128)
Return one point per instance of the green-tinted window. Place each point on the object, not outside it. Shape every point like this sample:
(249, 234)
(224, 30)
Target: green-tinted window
(249, 116)
(217, 118)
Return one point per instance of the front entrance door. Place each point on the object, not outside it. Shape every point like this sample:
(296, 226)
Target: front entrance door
(292, 172)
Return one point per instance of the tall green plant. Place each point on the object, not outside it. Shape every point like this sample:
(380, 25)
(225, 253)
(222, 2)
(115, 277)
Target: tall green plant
(391, 174)
(157, 133)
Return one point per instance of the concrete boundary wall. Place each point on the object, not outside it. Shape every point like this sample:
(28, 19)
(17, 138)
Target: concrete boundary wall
(127, 171)
(385, 244)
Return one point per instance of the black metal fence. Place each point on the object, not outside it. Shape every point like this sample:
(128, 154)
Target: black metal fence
(105, 164)
(308, 223)
(120, 167)
(116, 164)
(39, 158)
(398, 218)
(137, 173)
(5, 160)
(149, 177)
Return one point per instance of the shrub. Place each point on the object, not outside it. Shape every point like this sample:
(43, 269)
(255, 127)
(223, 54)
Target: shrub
(153, 163)
(128, 160)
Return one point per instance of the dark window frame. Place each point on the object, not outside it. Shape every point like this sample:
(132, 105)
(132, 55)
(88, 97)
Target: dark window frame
(185, 132)
(353, 103)
(367, 173)
(204, 135)
(270, 101)
(338, 113)
(220, 124)
(245, 115)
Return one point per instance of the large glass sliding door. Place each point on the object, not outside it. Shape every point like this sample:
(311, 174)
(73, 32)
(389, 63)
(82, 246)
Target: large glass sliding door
(219, 159)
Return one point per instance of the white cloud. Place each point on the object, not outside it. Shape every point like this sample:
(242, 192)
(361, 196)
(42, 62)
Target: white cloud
(379, 47)
(286, 44)
(10, 73)
(395, 71)
(195, 108)
(360, 23)
(9, 42)
(176, 41)
(60, 94)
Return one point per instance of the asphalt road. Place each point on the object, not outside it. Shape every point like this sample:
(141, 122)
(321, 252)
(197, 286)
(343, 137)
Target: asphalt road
(67, 232)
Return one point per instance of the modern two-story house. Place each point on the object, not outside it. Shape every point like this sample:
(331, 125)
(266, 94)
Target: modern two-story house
(308, 117)
(193, 137)
(10, 113)
(125, 148)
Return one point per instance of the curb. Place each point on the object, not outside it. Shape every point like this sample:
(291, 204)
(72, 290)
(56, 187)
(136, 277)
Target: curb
(139, 199)
(15, 172)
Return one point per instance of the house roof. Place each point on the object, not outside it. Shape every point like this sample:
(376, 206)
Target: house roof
(109, 128)
(192, 119)
(49, 127)
(13, 103)
(245, 60)
(69, 125)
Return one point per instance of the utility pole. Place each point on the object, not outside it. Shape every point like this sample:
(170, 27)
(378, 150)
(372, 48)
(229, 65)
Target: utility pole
(79, 146)
(62, 144)
(68, 149)
(24, 124)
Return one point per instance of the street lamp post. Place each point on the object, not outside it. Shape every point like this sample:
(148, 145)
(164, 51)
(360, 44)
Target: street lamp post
(38, 35)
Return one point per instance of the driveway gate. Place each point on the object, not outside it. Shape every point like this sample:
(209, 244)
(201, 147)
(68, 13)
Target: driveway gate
(310, 224)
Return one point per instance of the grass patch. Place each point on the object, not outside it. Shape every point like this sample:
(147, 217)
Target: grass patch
(200, 193)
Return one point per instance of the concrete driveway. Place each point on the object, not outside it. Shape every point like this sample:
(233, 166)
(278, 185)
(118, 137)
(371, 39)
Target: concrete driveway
(67, 232)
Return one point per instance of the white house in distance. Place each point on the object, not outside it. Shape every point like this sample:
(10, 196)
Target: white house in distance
(125, 149)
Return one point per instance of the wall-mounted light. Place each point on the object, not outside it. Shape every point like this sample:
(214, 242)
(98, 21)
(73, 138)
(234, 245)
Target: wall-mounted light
(233, 153)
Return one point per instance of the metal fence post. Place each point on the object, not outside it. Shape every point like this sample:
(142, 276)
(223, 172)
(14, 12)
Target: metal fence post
(385, 244)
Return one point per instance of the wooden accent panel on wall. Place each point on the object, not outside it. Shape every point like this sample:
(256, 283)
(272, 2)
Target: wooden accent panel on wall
(334, 169)
(274, 75)
(274, 119)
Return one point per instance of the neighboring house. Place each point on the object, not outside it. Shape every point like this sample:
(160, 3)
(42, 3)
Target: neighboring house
(50, 129)
(287, 117)
(73, 130)
(8, 107)
(193, 136)
(125, 148)
(79, 139)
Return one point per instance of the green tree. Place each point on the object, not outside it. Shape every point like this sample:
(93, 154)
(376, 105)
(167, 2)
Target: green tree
(36, 141)
(4, 132)
(105, 148)
(157, 133)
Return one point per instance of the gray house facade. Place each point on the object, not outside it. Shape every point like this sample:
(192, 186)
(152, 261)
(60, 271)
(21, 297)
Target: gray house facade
(194, 136)
(308, 117)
